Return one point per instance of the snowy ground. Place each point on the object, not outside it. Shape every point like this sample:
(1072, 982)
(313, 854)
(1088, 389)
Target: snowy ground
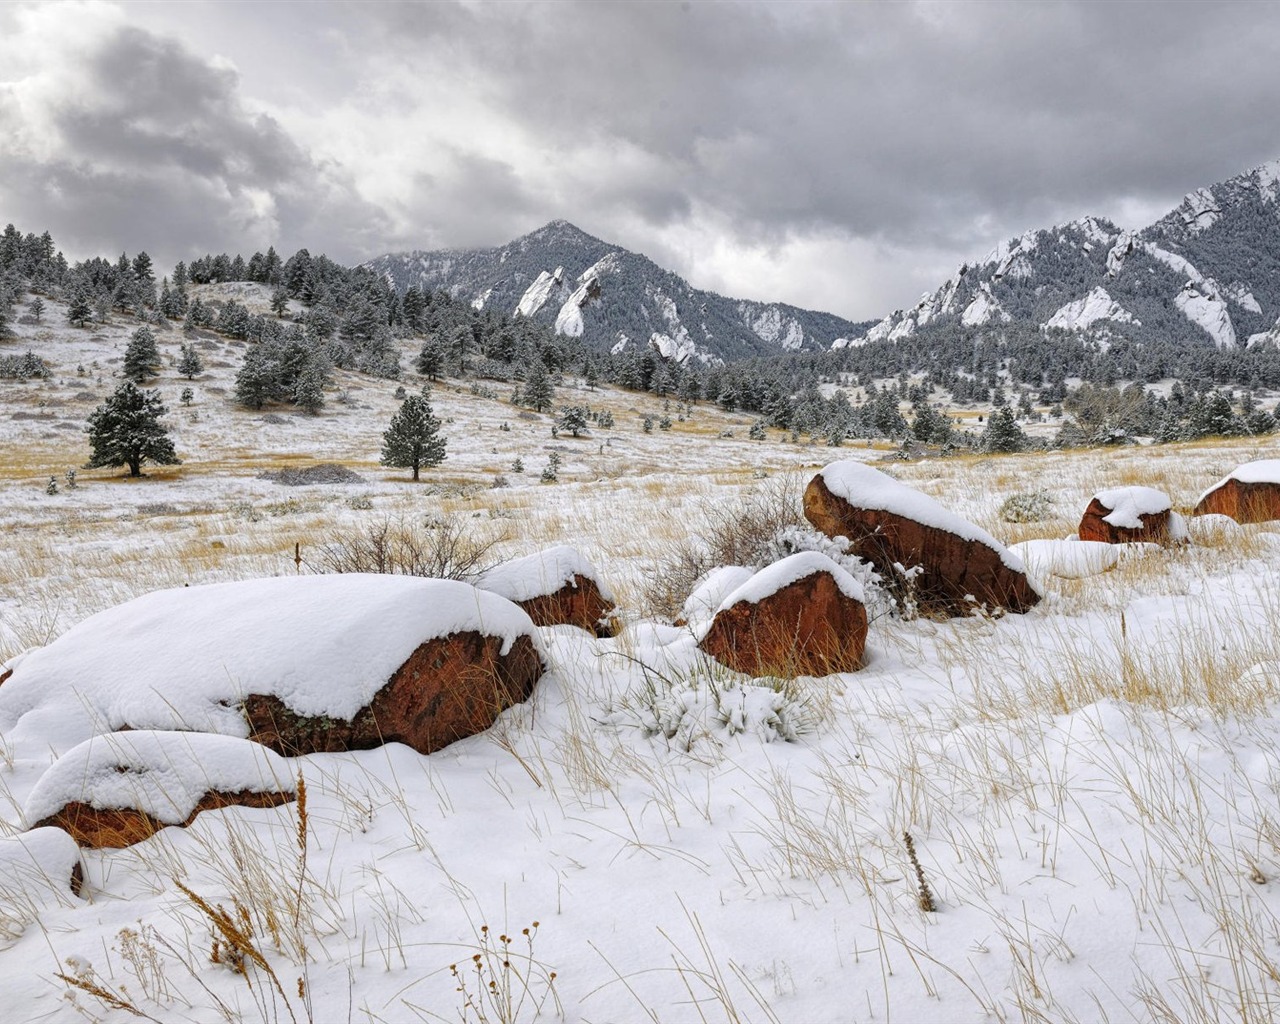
(1092, 789)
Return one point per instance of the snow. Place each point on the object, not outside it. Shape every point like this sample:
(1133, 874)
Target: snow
(1084, 312)
(1094, 230)
(1129, 504)
(664, 820)
(983, 308)
(185, 658)
(479, 301)
(538, 575)
(1204, 307)
(1242, 297)
(707, 597)
(35, 876)
(865, 487)
(1260, 471)
(537, 294)
(1066, 559)
(164, 774)
(769, 580)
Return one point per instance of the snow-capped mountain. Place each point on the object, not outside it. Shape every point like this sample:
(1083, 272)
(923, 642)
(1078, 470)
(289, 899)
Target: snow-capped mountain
(1207, 273)
(613, 298)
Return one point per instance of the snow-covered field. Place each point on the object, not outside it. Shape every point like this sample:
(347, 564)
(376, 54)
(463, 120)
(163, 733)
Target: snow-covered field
(1092, 789)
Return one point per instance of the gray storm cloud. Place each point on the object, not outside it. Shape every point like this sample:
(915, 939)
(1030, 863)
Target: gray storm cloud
(835, 155)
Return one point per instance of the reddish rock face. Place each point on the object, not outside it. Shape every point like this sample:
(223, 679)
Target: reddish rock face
(118, 827)
(577, 603)
(1243, 502)
(807, 628)
(1093, 526)
(953, 567)
(450, 688)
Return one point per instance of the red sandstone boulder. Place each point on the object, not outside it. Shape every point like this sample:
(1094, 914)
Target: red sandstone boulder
(118, 789)
(801, 616)
(1250, 494)
(1126, 515)
(895, 527)
(556, 587)
(301, 664)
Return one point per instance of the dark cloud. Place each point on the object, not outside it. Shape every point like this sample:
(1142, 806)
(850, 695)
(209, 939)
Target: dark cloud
(917, 133)
(154, 148)
(911, 122)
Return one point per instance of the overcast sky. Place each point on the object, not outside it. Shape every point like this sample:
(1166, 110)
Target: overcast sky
(838, 156)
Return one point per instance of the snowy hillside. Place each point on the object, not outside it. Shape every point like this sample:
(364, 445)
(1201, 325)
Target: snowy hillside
(613, 298)
(1067, 815)
(1208, 273)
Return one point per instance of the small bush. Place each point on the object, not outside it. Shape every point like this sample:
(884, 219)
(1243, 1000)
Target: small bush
(441, 550)
(1027, 507)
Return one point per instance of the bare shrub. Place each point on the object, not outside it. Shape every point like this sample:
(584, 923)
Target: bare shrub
(735, 533)
(440, 550)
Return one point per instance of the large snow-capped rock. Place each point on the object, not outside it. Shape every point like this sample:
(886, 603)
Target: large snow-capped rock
(556, 587)
(1128, 515)
(1248, 494)
(298, 663)
(930, 555)
(1205, 307)
(802, 615)
(117, 789)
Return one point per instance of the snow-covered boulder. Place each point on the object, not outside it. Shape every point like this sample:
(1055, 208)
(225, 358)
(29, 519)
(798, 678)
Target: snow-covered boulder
(301, 664)
(1249, 494)
(40, 869)
(556, 587)
(117, 789)
(953, 563)
(701, 606)
(1066, 559)
(1126, 515)
(801, 616)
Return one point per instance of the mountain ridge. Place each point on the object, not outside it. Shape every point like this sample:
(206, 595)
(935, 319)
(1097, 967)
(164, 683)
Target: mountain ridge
(1207, 272)
(613, 298)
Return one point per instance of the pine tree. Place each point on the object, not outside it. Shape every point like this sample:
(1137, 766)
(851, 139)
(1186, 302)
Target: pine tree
(430, 361)
(308, 391)
(1002, 433)
(190, 365)
(413, 439)
(79, 311)
(539, 394)
(126, 431)
(279, 301)
(142, 357)
(37, 308)
(573, 418)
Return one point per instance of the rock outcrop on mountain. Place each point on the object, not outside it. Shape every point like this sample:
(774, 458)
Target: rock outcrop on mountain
(1206, 274)
(612, 298)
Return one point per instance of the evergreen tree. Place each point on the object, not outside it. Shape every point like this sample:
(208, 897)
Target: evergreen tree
(430, 362)
(279, 301)
(308, 391)
(5, 320)
(1002, 433)
(573, 418)
(190, 365)
(142, 357)
(37, 308)
(539, 394)
(79, 311)
(126, 431)
(413, 439)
